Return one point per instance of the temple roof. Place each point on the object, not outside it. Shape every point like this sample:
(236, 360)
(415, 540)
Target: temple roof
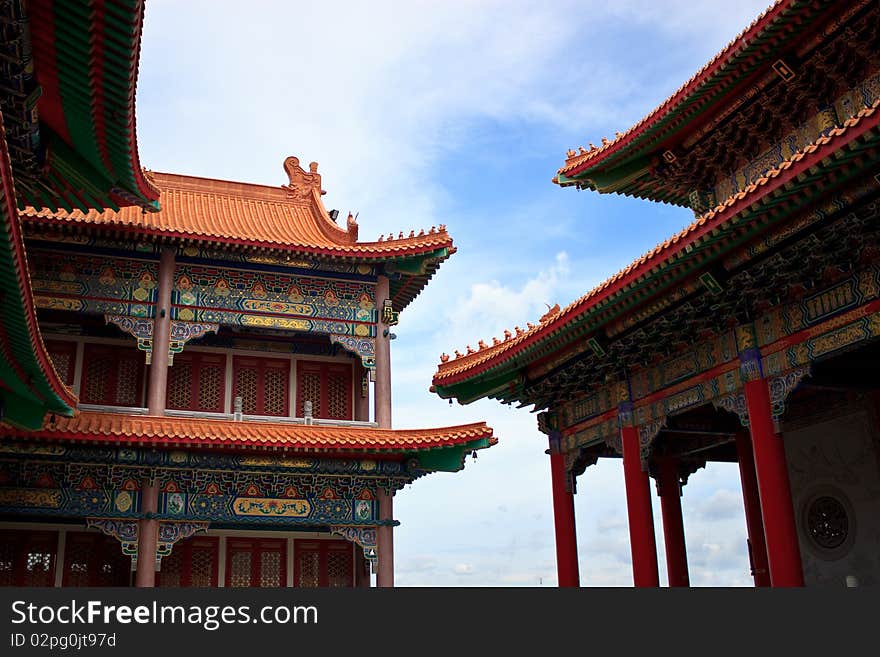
(757, 58)
(845, 143)
(222, 433)
(73, 136)
(29, 385)
(286, 217)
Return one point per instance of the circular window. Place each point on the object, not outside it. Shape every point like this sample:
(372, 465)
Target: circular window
(829, 523)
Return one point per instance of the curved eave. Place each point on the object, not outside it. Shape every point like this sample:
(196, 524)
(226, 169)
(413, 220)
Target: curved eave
(436, 445)
(86, 63)
(494, 369)
(709, 90)
(29, 385)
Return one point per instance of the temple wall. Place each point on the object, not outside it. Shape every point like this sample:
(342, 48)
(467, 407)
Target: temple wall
(837, 458)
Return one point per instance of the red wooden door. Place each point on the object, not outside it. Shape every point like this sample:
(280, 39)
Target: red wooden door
(27, 558)
(92, 559)
(112, 376)
(256, 562)
(328, 386)
(197, 382)
(323, 564)
(192, 562)
(263, 385)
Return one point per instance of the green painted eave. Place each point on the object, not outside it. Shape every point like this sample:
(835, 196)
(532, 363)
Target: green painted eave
(449, 459)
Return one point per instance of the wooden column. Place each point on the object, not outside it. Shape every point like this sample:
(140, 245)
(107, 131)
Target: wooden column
(754, 525)
(382, 410)
(669, 489)
(148, 536)
(563, 516)
(385, 541)
(777, 510)
(643, 545)
(158, 383)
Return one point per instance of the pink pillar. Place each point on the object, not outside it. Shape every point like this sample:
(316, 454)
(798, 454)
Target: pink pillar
(383, 359)
(148, 536)
(563, 517)
(673, 524)
(385, 540)
(752, 503)
(638, 506)
(158, 383)
(777, 510)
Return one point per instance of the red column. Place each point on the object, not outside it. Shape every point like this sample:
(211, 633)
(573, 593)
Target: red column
(777, 510)
(385, 541)
(673, 523)
(563, 517)
(156, 390)
(382, 401)
(752, 503)
(148, 536)
(638, 507)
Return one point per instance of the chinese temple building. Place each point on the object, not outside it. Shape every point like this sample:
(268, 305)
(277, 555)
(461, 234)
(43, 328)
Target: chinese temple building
(188, 365)
(751, 336)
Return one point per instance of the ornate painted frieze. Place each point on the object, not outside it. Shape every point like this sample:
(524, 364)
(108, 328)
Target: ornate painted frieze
(273, 300)
(291, 263)
(796, 141)
(93, 284)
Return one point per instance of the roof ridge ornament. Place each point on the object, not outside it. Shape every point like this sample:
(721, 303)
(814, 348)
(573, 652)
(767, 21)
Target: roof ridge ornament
(302, 182)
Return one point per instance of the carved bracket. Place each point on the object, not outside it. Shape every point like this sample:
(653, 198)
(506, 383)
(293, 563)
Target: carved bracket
(127, 531)
(363, 536)
(734, 403)
(647, 435)
(782, 386)
(363, 347)
(142, 330)
(182, 332)
(139, 328)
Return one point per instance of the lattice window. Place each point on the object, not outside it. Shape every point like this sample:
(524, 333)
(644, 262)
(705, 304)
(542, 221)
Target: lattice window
(39, 568)
(246, 388)
(339, 395)
(96, 378)
(7, 561)
(112, 376)
(95, 560)
(240, 569)
(339, 568)
(202, 566)
(180, 385)
(310, 390)
(270, 569)
(262, 384)
(328, 386)
(308, 569)
(211, 384)
(63, 355)
(170, 572)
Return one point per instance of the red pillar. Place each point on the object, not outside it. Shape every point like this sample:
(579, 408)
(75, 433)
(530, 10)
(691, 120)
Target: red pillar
(385, 541)
(563, 517)
(752, 503)
(382, 401)
(673, 523)
(777, 510)
(158, 384)
(148, 536)
(638, 506)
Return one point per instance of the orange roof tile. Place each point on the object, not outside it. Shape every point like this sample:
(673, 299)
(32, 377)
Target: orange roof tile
(289, 217)
(473, 361)
(188, 431)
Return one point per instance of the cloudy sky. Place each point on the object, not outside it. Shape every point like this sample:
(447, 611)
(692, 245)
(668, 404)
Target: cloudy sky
(422, 113)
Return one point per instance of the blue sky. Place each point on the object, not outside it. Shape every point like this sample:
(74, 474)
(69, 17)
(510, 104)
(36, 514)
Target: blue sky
(422, 113)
